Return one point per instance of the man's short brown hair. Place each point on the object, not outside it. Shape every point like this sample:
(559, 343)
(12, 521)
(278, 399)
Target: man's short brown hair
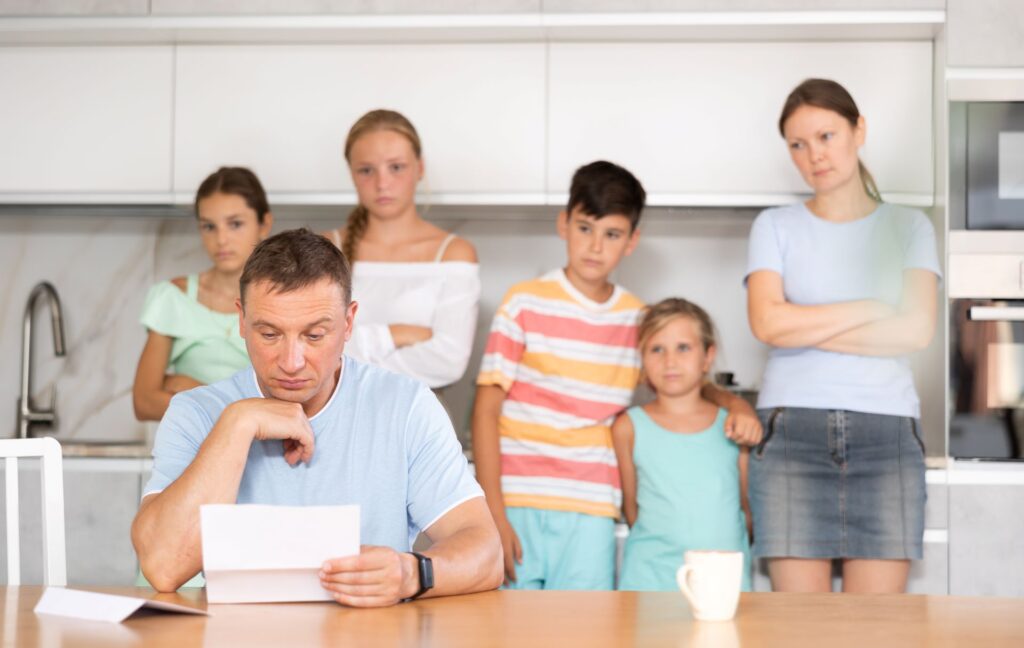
(295, 259)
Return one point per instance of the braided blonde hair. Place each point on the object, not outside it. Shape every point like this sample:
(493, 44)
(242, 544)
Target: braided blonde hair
(375, 120)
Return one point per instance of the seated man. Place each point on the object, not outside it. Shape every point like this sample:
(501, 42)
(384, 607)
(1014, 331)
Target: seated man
(306, 426)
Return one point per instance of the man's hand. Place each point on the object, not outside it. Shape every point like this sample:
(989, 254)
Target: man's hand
(377, 577)
(743, 426)
(276, 419)
(512, 549)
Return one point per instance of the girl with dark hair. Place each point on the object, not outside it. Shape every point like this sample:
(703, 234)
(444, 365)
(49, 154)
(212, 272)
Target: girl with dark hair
(192, 321)
(417, 286)
(843, 287)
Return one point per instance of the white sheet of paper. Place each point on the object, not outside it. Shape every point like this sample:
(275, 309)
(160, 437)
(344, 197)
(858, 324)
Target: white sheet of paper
(254, 553)
(94, 606)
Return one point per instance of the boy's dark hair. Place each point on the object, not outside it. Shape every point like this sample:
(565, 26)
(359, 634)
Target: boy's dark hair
(602, 189)
(295, 259)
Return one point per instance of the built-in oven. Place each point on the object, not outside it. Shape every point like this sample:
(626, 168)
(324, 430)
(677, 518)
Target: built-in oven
(995, 165)
(987, 379)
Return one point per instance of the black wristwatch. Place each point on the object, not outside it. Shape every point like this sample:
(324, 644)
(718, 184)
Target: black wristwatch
(426, 569)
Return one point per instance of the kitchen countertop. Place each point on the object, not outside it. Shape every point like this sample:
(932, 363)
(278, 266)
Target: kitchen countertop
(107, 449)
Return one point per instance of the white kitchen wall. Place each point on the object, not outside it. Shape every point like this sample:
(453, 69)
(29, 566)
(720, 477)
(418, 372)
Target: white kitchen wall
(103, 265)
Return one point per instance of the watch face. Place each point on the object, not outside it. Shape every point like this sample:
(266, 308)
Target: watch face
(426, 573)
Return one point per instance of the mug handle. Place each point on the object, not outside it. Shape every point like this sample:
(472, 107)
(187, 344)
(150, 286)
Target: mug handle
(682, 579)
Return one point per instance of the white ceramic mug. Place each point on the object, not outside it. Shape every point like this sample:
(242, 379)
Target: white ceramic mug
(711, 582)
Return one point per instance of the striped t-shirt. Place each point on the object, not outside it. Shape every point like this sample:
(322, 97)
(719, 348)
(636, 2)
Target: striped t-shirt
(568, 365)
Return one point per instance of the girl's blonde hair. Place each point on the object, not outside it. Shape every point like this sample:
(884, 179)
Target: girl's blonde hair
(656, 317)
(375, 120)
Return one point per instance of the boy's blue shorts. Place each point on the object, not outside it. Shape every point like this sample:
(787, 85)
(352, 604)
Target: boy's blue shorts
(563, 550)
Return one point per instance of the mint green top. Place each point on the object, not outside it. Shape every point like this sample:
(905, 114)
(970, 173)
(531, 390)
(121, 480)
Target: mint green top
(688, 494)
(206, 345)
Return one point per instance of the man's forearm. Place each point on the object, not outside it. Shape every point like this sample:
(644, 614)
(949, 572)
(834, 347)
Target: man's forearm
(166, 529)
(467, 561)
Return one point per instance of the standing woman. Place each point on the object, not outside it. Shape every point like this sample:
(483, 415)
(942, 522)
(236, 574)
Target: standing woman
(193, 321)
(417, 285)
(843, 287)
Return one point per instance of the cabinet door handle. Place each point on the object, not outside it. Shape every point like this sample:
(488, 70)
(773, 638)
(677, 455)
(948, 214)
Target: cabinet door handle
(996, 314)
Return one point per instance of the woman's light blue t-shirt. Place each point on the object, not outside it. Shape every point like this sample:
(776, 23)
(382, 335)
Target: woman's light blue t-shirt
(822, 262)
(383, 441)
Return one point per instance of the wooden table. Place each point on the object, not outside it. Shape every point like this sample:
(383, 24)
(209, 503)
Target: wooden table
(536, 619)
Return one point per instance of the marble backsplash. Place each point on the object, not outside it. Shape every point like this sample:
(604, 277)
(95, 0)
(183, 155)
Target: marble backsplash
(102, 267)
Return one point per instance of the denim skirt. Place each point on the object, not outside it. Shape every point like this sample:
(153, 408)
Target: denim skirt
(837, 484)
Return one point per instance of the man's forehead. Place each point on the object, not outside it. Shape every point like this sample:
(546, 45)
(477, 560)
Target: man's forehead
(321, 295)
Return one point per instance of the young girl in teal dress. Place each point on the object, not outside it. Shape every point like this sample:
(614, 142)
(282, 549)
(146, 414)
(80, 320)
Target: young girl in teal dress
(683, 482)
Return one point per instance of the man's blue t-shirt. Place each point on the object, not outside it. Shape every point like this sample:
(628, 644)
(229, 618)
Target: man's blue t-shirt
(382, 441)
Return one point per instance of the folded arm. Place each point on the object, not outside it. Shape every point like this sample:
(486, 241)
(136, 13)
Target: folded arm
(780, 323)
(441, 357)
(153, 387)
(909, 329)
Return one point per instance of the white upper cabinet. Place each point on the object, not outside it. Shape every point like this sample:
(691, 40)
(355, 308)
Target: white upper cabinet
(85, 120)
(985, 33)
(697, 122)
(284, 111)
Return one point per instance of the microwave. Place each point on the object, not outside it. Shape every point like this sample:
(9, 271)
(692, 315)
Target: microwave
(995, 165)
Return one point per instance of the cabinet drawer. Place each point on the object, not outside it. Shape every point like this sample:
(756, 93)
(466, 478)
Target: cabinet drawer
(986, 276)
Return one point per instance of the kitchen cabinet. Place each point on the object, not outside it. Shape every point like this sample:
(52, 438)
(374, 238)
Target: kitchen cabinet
(284, 111)
(101, 497)
(985, 33)
(693, 119)
(74, 8)
(595, 6)
(335, 7)
(986, 539)
(991, 276)
(85, 120)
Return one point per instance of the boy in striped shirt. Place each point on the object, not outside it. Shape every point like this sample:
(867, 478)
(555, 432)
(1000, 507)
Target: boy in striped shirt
(560, 363)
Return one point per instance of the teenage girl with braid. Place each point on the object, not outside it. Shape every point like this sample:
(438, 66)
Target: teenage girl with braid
(417, 285)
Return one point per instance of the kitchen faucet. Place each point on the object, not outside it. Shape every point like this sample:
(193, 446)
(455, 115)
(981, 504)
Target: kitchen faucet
(26, 415)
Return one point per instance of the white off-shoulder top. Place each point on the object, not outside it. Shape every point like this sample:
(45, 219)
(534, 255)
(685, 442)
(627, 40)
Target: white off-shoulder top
(441, 295)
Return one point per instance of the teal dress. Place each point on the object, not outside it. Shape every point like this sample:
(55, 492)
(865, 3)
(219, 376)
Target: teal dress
(207, 345)
(688, 494)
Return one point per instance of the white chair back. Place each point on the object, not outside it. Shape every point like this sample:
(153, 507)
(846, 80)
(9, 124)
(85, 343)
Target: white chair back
(52, 496)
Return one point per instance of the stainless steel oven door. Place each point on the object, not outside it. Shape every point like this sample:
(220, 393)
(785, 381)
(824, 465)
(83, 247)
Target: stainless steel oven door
(987, 379)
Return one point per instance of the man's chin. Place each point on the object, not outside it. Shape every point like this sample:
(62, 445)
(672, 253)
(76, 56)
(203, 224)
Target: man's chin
(300, 395)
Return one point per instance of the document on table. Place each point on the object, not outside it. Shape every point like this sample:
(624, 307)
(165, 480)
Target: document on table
(253, 553)
(100, 607)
